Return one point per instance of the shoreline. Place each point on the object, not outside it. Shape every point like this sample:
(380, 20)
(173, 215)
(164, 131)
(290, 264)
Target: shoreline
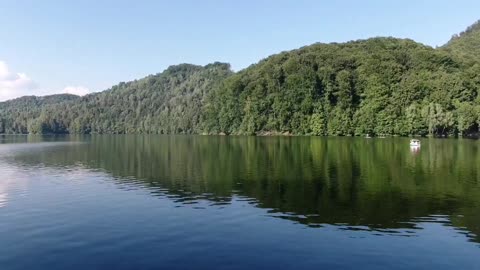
(262, 134)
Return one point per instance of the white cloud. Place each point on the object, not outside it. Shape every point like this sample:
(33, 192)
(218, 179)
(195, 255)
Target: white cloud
(14, 85)
(76, 90)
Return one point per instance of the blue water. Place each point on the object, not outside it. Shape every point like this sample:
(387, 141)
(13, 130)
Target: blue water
(124, 202)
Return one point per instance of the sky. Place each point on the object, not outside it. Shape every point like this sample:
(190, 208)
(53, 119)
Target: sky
(79, 47)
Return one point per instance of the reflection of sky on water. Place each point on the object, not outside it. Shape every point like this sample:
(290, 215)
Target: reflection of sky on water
(10, 181)
(3, 196)
(15, 180)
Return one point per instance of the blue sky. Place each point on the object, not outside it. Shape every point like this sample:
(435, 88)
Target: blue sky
(87, 45)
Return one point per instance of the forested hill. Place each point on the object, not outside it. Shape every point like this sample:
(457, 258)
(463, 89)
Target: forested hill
(466, 44)
(15, 114)
(375, 86)
(168, 102)
(382, 86)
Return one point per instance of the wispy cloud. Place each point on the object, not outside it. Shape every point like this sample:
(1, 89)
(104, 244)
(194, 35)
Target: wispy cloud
(13, 85)
(76, 90)
(17, 84)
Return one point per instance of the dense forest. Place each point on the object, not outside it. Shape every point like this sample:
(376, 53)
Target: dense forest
(378, 86)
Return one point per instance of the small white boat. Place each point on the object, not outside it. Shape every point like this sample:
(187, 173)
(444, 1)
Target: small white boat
(415, 143)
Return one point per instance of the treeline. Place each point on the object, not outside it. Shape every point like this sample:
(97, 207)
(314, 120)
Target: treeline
(166, 103)
(379, 86)
(466, 45)
(17, 115)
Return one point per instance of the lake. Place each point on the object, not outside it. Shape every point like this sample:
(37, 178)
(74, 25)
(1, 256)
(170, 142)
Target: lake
(220, 202)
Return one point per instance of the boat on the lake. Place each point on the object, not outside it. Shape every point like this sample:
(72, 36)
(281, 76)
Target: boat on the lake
(415, 143)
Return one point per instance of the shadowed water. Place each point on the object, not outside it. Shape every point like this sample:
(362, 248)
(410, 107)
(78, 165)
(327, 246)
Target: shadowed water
(197, 202)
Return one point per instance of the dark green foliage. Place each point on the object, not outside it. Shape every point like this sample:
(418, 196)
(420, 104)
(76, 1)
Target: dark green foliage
(383, 86)
(17, 115)
(378, 86)
(169, 102)
(466, 45)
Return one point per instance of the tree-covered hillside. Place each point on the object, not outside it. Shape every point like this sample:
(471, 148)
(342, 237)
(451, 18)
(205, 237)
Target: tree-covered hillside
(382, 86)
(466, 45)
(17, 114)
(169, 102)
(375, 86)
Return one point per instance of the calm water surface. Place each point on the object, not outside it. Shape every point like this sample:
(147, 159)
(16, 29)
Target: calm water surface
(186, 202)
